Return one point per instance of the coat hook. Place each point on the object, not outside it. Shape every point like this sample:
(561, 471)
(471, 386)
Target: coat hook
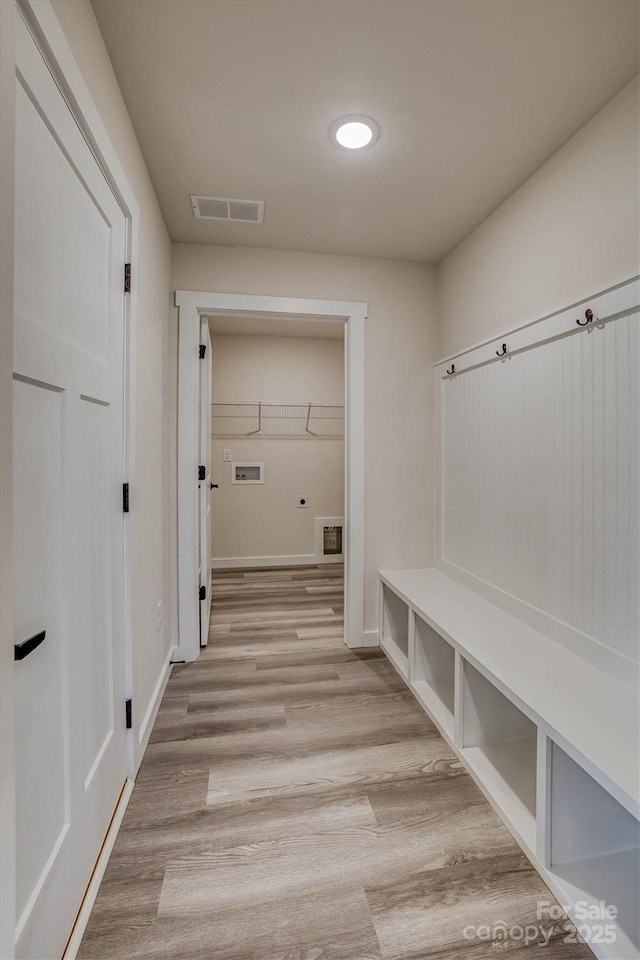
(451, 372)
(503, 352)
(589, 318)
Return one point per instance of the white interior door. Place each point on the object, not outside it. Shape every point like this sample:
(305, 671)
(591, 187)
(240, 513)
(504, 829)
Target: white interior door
(70, 245)
(204, 511)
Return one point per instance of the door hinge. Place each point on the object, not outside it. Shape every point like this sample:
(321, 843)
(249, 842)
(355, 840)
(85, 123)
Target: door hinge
(203, 592)
(127, 714)
(203, 350)
(201, 472)
(127, 278)
(125, 498)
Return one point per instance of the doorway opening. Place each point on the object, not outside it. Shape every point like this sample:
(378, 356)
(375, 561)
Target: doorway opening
(347, 524)
(278, 466)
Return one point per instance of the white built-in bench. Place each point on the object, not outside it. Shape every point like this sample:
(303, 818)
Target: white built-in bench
(553, 741)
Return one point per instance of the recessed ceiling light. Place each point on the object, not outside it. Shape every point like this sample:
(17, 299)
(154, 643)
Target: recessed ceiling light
(354, 132)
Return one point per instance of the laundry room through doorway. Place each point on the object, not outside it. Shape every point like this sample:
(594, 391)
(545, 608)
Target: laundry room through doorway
(278, 452)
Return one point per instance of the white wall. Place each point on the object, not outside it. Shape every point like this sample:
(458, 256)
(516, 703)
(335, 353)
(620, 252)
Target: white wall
(263, 520)
(7, 747)
(150, 493)
(399, 351)
(278, 368)
(570, 230)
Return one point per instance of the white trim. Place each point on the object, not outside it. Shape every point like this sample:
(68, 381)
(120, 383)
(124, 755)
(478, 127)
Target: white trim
(89, 899)
(8, 16)
(191, 306)
(144, 731)
(302, 560)
(510, 331)
(43, 21)
(370, 638)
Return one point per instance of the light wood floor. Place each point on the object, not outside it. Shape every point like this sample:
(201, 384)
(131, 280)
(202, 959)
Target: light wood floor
(295, 803)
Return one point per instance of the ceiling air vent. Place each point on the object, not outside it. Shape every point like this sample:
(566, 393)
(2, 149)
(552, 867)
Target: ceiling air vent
(219, 208)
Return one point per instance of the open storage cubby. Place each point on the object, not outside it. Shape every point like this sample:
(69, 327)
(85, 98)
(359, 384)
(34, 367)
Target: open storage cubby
(499, 743)
(558, 760)
(395, 629)
(433, 673)
(593, 849)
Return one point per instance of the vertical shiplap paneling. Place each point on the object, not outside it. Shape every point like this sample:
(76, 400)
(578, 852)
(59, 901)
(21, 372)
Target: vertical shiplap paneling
(563, 564)
(574, 614)
(598, 503)
(633, 641)
(610, 485)
(540, 478)
(621, 426)
(586, 439)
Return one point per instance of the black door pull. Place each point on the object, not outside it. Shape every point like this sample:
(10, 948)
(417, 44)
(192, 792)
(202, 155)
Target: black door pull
(213, 486)
(22, 650)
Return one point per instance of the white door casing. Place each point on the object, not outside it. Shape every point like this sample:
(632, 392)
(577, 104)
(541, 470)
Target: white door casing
(192, 307)
(204, 486)
(69, 351)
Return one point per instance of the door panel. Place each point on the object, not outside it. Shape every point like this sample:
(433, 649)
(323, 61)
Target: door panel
(72, 299)
(40, 687)
(70, 241)
(92, 624)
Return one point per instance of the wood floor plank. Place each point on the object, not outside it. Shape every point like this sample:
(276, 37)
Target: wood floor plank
(219, 723)
(294, 803)
(443, 912)
(305, 691)
(204, 883)
(213, 829)
(308, 771)
(202, 680)
(285, 601)
(294, 615)
(306, 656)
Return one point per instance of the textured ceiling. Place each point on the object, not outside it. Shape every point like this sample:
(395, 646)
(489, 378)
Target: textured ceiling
(234, 98)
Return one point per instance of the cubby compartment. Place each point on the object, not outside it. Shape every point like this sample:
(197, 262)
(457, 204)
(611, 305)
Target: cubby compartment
(395, 629)
(557, 760)
(593, 848)
(499, 743)
(433, 673)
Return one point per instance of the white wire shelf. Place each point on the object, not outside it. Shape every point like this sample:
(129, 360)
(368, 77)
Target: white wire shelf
(301, 420)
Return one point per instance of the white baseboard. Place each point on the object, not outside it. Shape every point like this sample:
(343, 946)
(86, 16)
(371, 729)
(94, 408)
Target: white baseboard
(370, 638)
(144, 731)
(305, 560)
(91, 893)
(89, 899)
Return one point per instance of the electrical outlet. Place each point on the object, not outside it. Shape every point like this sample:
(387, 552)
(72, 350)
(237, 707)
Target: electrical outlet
(159, 623)
(226, 455)
(302, 502)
